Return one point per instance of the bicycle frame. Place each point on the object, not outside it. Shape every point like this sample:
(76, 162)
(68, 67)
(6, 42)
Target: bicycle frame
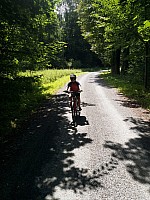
(74, 105)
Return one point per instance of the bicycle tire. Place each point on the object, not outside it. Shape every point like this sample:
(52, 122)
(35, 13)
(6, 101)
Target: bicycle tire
(73, 116)
(74, 109)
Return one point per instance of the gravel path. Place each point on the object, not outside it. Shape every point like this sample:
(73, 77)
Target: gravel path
(106, 157)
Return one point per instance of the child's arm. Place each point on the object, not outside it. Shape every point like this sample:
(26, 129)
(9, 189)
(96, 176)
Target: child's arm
(80, 88)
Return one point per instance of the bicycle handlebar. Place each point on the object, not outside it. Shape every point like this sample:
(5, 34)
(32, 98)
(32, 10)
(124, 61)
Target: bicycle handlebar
(73, 92)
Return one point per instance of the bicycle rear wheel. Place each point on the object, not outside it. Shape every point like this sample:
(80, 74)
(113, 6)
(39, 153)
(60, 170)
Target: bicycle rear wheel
(74, 111)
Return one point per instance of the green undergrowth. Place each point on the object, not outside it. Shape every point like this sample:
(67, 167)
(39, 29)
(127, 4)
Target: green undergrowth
(20, 96)
(130, 87)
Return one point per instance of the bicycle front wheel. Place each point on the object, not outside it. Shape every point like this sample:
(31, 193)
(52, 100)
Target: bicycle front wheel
(74, 111)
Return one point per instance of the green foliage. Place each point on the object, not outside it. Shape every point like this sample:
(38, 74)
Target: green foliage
(112, 25)
(15, 106)
(78, 50)
(144, 30)
(29, 34)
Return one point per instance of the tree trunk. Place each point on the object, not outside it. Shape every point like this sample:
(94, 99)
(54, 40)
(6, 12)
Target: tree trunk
(112, 62)
(125, 64)
(147, 53)
(115, 61)
(147, 66)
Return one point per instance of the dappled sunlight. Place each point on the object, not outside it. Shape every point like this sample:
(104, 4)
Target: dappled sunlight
(61, 172)
(128, 103)
(143, 126)
(100, 81)
(135, 152)
(46, 156)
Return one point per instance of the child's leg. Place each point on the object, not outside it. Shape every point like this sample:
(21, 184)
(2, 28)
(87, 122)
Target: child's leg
(79, 101)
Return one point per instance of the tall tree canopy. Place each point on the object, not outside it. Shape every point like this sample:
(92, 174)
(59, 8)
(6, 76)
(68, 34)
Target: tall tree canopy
(53, 33)
(29, 34)
(78, 51)
(119, 31)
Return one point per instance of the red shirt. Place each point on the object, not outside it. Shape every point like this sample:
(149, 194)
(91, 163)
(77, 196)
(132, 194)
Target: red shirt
(74, 86)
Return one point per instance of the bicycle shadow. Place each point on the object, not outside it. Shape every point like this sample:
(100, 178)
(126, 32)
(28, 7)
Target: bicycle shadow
(82, 120)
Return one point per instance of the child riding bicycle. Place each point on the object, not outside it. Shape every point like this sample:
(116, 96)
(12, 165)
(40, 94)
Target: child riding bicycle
(74, 86)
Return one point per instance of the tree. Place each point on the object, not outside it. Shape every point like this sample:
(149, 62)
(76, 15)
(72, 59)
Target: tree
(78, 51)
(29, 35)
(118, 30)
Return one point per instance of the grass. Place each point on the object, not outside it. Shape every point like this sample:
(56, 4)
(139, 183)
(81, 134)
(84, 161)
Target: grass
(21, 96)
(129, 87)
(51, 80)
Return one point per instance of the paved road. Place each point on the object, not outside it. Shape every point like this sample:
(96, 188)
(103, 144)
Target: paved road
(106, 157)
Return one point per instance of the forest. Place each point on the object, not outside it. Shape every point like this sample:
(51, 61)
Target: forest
(43, 34)
(74, 34)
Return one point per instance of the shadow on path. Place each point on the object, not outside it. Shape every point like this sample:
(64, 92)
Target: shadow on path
(82, 121)
(129, 103)
(136, 151)
(41, 159)
(100, 81)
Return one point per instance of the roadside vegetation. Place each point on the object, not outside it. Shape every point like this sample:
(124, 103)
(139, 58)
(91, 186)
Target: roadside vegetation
(21, 95)
(130, 87)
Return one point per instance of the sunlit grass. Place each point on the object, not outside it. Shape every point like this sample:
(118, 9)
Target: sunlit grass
(129, 87)
(21, 96)
(50, 75)
(52, 80)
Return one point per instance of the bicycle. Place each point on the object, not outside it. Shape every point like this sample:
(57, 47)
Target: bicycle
(74, 105)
